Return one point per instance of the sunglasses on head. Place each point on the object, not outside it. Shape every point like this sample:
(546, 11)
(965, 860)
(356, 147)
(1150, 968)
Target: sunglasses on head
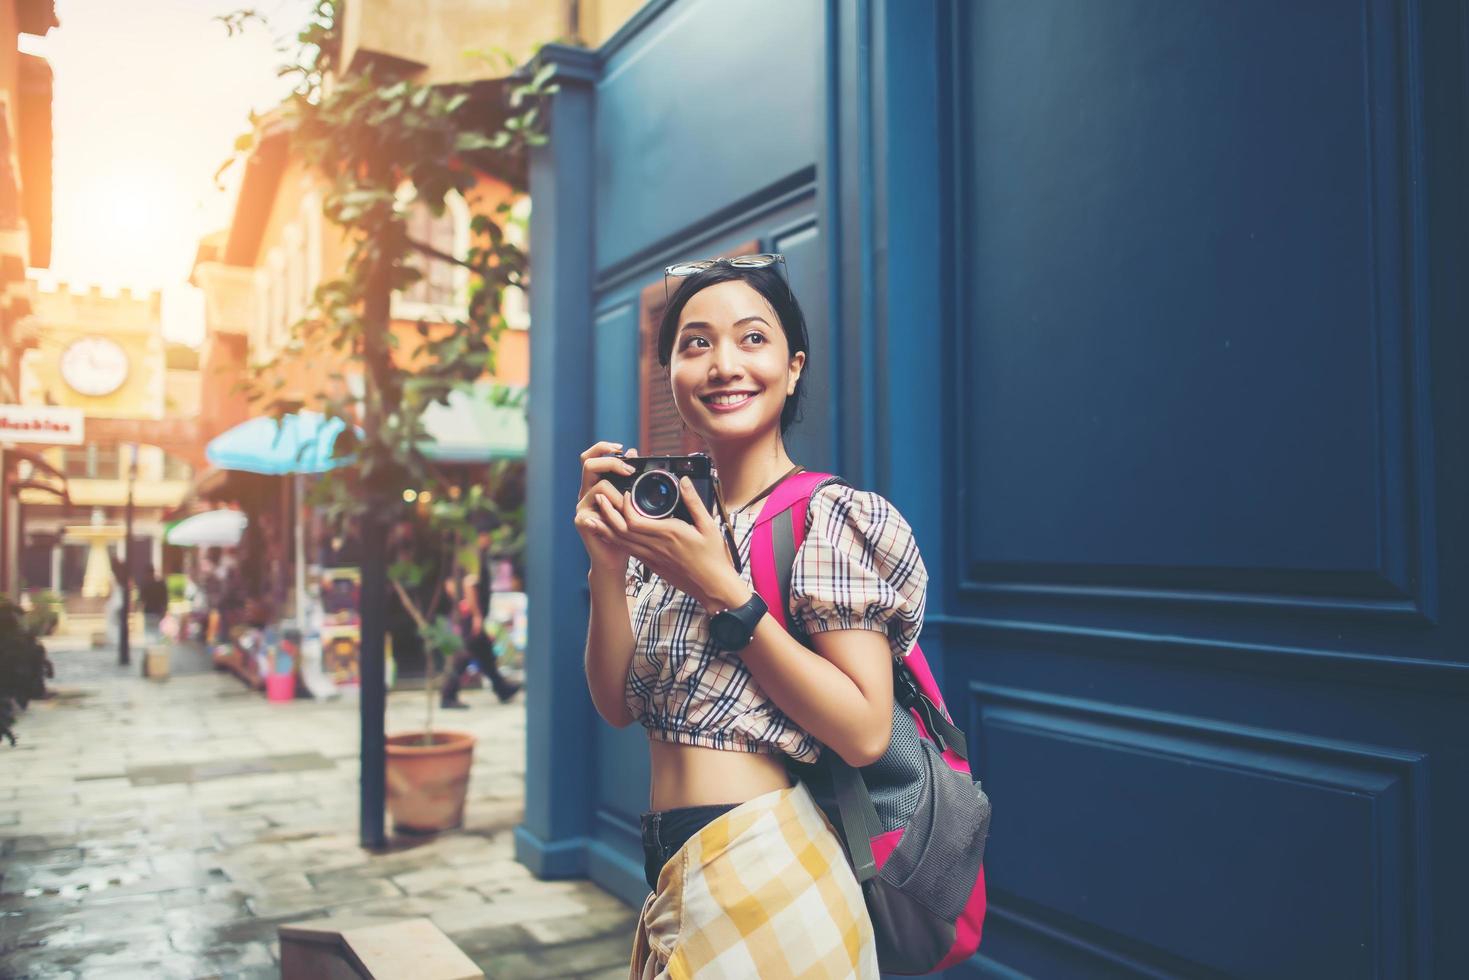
(683, 270)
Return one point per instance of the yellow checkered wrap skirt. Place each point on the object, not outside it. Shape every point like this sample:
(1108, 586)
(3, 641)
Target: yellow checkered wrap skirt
(762, 891)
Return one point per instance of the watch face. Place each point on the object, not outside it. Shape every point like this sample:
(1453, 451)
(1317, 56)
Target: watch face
(94, 366)
(728, 631)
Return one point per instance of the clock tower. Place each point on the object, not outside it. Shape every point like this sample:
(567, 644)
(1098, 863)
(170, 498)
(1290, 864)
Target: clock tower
(100, 352)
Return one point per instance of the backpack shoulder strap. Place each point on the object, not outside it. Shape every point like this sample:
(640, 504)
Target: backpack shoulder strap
(780, 530)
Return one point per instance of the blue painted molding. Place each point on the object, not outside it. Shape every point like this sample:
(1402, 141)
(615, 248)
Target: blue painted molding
(572, 65)
(635, 25)
(779, 194)
(559, 715)
(614, 858)
(1207, 651)
(886, 143)
(909, 328)
(1395, 779)
(564, 858)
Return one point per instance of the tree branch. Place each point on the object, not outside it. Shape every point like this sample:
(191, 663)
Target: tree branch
(434, 253)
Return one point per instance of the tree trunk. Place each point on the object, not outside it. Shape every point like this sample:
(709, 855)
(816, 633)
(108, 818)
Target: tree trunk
(376, 365)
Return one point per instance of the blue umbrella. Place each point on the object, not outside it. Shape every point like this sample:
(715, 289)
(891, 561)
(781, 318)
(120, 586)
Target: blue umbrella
(300, 443)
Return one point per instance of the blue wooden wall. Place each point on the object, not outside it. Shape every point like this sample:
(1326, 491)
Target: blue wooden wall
(1149, 315)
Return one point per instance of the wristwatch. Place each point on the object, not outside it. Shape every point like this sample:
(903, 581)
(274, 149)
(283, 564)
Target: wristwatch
(733, 629)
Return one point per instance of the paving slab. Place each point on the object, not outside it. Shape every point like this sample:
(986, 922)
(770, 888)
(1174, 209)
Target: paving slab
(168, 828)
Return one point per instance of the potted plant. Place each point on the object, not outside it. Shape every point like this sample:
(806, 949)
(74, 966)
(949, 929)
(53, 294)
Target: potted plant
(24, 667)
(42, 612)
(428, 770)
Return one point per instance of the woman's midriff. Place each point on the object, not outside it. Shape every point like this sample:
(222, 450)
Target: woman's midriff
(691, 775)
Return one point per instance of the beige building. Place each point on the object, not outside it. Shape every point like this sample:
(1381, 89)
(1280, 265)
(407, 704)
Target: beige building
(450, 41)
(105, 354)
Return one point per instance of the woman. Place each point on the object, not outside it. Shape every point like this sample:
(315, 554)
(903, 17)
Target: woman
(748, 878)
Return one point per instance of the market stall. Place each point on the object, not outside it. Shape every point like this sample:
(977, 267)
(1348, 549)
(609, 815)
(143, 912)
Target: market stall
(291, 449)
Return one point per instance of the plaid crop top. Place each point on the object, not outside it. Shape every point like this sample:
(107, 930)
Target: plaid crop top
(859, 568)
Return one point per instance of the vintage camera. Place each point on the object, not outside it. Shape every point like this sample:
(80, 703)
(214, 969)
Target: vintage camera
(654, 486)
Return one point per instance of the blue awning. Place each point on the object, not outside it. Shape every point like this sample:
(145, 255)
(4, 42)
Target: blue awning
(299, 443)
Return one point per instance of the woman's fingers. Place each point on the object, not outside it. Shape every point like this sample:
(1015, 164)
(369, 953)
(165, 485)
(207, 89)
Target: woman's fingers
(641, 532)
(611, 515)
(636, 522)
(601, 467)
(600, 449)
(602, 488)
(703, 520)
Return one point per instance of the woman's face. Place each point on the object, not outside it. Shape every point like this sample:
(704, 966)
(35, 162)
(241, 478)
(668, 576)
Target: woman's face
(731, 366)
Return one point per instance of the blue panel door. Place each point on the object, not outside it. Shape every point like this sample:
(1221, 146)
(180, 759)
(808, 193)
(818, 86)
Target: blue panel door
(1204, 610)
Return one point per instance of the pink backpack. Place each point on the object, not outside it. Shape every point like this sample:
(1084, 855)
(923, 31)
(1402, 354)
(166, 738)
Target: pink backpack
(914, 823)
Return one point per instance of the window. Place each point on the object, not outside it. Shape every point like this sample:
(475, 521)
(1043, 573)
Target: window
(92, 462)
(76, 461)
(175, 468)
(107, 462)
(279, 302)
(261, 327)
(295, 286)
(436, 288)
(515, 304)
(441, 292)
(311, 217)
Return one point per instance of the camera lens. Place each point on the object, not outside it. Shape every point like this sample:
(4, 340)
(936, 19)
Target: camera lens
(655, 493)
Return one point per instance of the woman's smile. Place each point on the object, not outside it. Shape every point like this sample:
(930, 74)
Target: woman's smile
(724, 402)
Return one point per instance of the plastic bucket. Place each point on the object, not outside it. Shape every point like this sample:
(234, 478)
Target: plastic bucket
(280, 687)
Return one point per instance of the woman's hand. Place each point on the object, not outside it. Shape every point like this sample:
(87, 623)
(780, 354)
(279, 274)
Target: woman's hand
(598, 463)
(693, 558)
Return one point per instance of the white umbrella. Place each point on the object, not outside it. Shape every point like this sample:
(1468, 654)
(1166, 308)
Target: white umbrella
(214, 527)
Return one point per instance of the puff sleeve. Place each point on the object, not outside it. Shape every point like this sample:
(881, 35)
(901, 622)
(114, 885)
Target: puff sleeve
(859, 568)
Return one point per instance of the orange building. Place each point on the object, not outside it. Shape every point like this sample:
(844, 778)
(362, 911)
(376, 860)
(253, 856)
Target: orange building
(258, 277)
(25, 221)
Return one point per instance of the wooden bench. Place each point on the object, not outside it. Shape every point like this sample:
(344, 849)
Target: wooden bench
(372, 948)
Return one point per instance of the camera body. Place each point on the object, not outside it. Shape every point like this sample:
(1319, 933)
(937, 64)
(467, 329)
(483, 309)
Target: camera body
(654, 487)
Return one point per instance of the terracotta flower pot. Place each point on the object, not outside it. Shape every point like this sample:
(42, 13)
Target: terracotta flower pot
(427, 783)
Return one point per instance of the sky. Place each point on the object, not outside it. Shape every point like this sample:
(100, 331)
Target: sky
(149, 97)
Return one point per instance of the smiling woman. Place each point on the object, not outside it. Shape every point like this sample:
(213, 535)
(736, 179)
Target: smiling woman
(680, 642)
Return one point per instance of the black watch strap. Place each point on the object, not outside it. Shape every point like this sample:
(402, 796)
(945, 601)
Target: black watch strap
(733, 629)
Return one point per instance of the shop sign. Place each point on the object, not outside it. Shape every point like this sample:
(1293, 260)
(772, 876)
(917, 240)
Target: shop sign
(41, 423)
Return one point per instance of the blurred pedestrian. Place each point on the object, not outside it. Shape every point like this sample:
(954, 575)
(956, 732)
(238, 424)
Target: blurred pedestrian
(198, 599)
(113, 610)
(474, 604)
(153, 597)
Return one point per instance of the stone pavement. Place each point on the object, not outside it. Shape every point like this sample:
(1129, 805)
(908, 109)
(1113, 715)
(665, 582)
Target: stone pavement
(165, 829)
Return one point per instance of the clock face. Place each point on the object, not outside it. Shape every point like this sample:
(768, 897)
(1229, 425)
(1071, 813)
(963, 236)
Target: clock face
(94, 366)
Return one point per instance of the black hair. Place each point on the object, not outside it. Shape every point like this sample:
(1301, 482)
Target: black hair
(776, 291)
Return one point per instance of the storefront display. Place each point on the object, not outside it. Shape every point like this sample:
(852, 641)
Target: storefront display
(341, 627)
